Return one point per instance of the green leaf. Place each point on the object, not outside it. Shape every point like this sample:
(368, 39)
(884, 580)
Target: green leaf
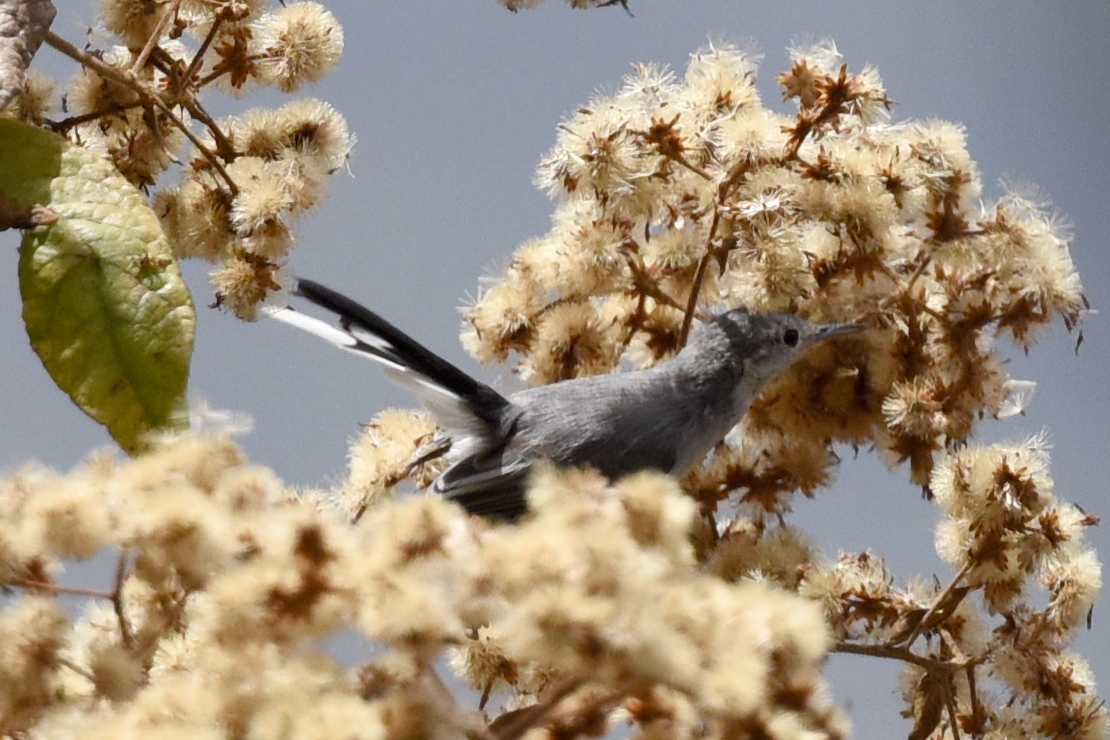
(103, 299)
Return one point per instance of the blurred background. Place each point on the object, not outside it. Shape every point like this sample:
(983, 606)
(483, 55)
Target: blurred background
(455, 102)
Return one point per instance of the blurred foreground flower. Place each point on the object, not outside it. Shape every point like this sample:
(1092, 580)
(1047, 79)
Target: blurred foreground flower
(594, 609)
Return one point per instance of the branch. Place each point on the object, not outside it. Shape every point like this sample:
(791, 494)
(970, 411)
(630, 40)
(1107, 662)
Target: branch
(223, 144)
(732, 178)
(66, 124)
(681, 159)
(220, 70)
(527, 718)
(66, 663)
(149, 97)
(636, 322)
(169, 619)
(978, 717)
(892, 653)
(487, 689)
(647, 285)
(55, 588)
(125, 632)
(97, 65)
(699, 277)
(155, 36)
(940, 601)
(208, 153)
(950, 703)
(198, 58)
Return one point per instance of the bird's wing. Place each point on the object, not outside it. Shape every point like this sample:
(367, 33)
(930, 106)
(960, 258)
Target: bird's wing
(455, 400)
(487, 486)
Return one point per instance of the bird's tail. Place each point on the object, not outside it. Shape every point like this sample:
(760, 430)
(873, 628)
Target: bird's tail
(456, 400)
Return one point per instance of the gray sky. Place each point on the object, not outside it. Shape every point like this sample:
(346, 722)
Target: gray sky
(454, 103)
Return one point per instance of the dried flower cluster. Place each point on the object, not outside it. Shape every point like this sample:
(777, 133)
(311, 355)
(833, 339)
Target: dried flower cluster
(643, 601)
(608, 606)
(1002, 668)
(244, 178)
(675, 194)
(678, 196)
(594, 612)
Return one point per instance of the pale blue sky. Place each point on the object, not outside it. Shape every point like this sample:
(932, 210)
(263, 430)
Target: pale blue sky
(454, 103)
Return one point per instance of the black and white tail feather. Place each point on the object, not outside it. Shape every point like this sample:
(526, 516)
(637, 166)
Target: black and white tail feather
(470, 413)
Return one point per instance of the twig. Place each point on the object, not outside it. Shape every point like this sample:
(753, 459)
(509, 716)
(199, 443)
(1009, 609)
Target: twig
(220, 71)
(66, 124)
(699, 277)
(55, 588)
(904, 293)
(151, 119)
(76, 669)
(125, 632)
(953, 647)
(487, 689)
(155, 37)
(223, 144)
(678, 157)
(636, 322)
(737, 171)
(918, 273)
(170, 616)
(186, 97)
(88, 60)
(916, 631)
(891, 653)
(647, 285)
(208, 153)
(533, 714)
(976, 710)
(950, 703)
(129, 81)
(198, 58)
(212, 76)
(622, 3)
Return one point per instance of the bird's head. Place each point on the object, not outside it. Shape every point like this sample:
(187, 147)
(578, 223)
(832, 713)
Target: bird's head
(767, 344)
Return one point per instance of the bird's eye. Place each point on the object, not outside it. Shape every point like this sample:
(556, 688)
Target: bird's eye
(790, 336)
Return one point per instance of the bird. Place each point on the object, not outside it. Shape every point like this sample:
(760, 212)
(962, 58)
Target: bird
(666, 417)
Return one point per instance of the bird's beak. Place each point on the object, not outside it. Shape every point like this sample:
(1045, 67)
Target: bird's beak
(830, 331)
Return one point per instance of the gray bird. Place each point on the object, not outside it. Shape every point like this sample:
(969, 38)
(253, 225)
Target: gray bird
(666, 418)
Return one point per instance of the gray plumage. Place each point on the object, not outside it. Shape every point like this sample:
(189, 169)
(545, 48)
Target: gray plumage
(666, 418)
